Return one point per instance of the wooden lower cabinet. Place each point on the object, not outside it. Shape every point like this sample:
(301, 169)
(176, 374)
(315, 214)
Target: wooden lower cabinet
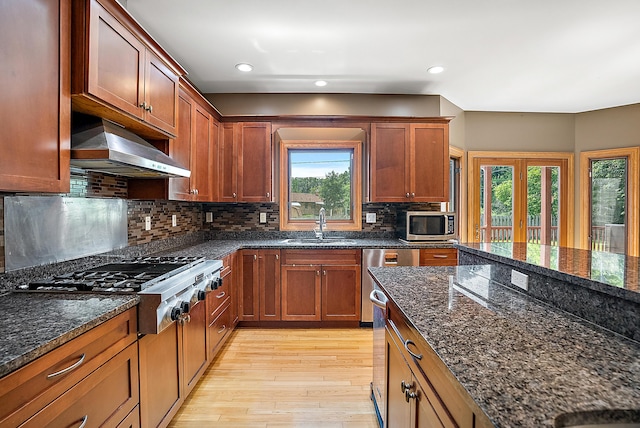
(321, 285)
(104, 398)
(301, 290)
(161, 391)
(194, 342)
(407, 403)
(259, 286)
(438, 257)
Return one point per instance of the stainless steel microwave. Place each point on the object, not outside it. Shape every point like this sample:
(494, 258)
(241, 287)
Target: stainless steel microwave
(426, 225)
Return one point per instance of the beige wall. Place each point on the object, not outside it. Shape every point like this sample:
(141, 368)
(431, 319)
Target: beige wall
(522, 132)
(326, 104)
(609, 128)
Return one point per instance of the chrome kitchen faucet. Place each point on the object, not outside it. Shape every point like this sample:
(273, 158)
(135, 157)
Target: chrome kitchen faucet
(322, 222)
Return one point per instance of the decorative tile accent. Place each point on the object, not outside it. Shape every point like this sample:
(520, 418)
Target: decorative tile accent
(189, 219)
(242, 217)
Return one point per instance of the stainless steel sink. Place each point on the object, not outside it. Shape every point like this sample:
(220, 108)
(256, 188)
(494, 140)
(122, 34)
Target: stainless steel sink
(331, 240)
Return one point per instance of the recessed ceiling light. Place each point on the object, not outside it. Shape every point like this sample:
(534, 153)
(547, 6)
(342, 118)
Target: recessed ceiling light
(321, 83)
(435, 69)
(243, 66)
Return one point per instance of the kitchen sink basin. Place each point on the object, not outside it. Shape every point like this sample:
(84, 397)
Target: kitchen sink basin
(332, 240)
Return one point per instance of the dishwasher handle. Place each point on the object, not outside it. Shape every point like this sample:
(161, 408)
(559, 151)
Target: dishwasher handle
(381, 303)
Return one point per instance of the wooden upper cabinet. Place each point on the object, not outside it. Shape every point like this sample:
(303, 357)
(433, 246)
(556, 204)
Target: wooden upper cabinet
(255, 165)
(409, 162)
(180, 147)
(389, 168)
(118, 73)
(429, 162)
(246, 162)
(35, 107)
(228, 154)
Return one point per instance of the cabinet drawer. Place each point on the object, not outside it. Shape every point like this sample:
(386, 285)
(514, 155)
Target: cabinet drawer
(216, 298)
(104, 398)
(321, 257)
(219, 329)
(32, 387)
(438, 257)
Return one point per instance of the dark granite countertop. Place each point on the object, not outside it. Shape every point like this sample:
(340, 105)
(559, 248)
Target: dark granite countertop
(615, 274)
(35, 323)
(523, 362)
(216, 249)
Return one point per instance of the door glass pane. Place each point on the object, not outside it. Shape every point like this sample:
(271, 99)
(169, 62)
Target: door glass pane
(496, 203)
(320, 178)
(608, 205)
(543, 204)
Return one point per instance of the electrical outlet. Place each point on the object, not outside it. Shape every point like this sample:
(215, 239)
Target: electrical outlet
(208, 217)
(263, 217)
(371, 218)
(519, 279)
(147, 223)
(174, 220)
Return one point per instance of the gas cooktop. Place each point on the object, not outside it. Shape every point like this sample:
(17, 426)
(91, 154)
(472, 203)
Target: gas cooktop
(125, 276)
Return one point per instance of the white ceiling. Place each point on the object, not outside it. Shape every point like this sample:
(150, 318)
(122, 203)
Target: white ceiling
(500, 55)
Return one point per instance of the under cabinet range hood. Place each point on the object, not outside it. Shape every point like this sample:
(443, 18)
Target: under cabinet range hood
(104, 146)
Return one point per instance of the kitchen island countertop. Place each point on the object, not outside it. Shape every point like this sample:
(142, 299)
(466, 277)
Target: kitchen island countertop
(36, 323)
(523, 362)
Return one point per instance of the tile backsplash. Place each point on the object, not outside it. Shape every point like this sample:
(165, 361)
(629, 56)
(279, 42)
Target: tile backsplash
(191, 217)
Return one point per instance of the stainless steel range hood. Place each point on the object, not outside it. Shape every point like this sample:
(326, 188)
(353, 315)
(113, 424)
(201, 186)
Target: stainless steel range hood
(106, 147)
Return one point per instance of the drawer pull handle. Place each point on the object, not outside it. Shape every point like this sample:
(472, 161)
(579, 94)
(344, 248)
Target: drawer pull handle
(440, 256)
(406, 346)
(221, 295)
(224, 327)
(68, 369)
(85, 418)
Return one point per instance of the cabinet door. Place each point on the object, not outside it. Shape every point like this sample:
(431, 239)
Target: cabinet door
(248, 287)
(389, 156)
(255, 166)
(424, 416)
(301, 293)
(269, 268)
(116, 63)
(398, 373)
(161, 392)
(194, 334)
(180, 148)
(35, 107)
(203, 156)
(341, 291)
(429, 162)
(160, 94)
(228, 172)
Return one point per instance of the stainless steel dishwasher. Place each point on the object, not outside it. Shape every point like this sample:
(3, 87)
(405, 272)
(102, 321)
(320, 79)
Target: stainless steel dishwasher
(373, 311)
(376, 257)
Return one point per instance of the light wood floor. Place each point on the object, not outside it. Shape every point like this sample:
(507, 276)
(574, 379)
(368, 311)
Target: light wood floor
(286, 378)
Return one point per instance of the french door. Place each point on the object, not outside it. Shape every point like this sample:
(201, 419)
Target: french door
(520, 198)
(609, 182)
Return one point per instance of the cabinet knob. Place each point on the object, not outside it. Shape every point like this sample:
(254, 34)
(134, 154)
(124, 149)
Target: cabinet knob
(149, 108)
(408, 395)
(404, 386)
(413, 195)
(407, 195)
(143, 105)
(234, 194)
(268, 195)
